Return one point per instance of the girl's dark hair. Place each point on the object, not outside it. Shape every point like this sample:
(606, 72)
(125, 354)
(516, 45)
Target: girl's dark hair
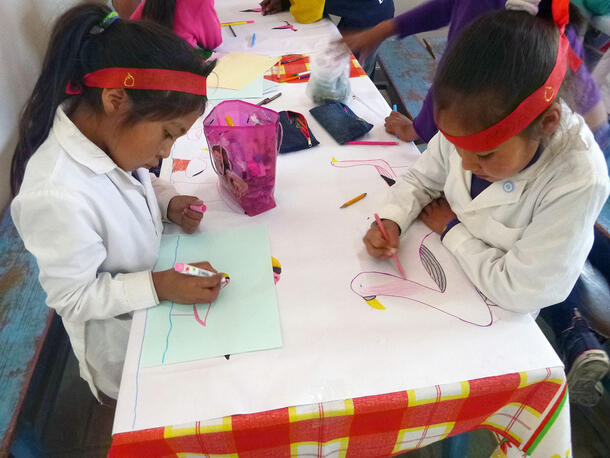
(78, 45)
(496, 63)
(160, 11)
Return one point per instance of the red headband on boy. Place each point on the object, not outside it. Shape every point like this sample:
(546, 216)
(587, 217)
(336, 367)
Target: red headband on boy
(535, 103)
(143, 78)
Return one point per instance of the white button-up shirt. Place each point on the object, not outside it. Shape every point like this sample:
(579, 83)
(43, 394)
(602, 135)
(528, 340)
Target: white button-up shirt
(523, 241)
(95, 232)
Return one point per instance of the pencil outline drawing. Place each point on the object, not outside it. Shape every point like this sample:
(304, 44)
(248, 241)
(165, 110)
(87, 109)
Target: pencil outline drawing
(385, 170)
(410, 290)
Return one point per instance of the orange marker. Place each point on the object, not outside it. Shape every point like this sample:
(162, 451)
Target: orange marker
(229, 120)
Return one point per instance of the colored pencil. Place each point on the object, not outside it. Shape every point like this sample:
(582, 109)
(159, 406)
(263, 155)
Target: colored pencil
(429, 48)
(292, 60)
(232, 31)
(395, 108)
(267, 100)
(354, 200)
(298, 76)
(385, 236)
(236, 23)
(371, 143)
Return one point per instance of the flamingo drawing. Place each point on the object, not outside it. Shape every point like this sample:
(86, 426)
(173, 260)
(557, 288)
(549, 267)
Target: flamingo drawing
(372, 285)
(385, 170)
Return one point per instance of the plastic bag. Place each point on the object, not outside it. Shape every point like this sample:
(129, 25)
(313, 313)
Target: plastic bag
(329, 78)
(244, 154)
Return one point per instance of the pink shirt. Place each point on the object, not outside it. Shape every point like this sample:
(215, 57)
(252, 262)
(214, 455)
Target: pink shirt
(194, 20)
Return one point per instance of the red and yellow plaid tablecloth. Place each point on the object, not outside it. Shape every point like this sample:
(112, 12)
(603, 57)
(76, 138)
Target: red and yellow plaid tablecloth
(527, 410)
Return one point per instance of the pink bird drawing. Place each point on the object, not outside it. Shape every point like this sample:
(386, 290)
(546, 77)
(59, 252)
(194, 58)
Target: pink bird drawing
(373, 285)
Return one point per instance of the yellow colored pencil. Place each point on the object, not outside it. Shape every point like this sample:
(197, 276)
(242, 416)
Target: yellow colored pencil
(224, 24)
(354, 200)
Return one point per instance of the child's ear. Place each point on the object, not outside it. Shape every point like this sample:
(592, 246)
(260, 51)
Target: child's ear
(115, 101)
(550, 120)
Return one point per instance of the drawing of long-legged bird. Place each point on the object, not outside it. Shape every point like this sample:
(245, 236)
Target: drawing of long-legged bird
(372, 285)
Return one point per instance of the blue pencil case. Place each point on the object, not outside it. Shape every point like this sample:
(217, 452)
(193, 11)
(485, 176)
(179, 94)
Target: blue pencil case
(340, 122)
(296, 132)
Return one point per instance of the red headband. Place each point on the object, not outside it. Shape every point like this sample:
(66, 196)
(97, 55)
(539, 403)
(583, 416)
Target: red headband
(143, 78)
(535, 103)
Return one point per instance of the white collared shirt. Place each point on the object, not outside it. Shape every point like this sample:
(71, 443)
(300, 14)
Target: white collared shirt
(522, 241)
(95, 232)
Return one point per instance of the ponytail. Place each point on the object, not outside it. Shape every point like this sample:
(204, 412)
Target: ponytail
(577, 18)
(61, 65)
(160, 11)
(81, 44)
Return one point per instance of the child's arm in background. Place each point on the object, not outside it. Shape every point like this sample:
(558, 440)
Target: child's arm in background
(62, 232)
(430, 15)
(541, 268)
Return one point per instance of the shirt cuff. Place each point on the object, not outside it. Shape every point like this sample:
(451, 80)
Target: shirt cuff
(165, 192)
(454, 222)
(140, 290)
(396, 214)
(455, 237)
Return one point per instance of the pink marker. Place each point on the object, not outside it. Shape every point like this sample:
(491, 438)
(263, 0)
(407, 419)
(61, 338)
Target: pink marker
(198, 208)
(371, 143)
(187, 269)
(385, 236)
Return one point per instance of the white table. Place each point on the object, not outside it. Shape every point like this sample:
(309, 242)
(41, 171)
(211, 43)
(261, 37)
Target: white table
(335, 346)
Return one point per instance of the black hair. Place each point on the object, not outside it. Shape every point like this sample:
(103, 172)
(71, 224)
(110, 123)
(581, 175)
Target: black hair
(496, 63)
(160, 11)
(78, 45)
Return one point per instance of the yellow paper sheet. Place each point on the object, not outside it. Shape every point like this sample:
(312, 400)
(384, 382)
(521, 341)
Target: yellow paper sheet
(237, 69)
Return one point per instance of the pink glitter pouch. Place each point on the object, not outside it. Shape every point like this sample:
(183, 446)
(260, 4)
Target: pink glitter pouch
(244, 141)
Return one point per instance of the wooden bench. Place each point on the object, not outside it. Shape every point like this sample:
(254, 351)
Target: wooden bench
(409, 66)
(28, 329)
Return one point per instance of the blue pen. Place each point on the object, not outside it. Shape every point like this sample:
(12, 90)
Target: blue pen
(395, 108)
(253, 40)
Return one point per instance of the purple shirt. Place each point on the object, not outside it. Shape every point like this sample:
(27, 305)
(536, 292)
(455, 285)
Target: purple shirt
(435, 14)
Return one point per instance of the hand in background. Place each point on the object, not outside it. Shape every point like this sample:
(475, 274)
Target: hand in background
(364, 42)
(178, 212)
(271, 6)
(437, 214)
(399, 124)
(377, 245)
(187, 289)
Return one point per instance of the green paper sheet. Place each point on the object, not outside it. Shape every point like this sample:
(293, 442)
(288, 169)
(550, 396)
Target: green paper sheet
(243, 318)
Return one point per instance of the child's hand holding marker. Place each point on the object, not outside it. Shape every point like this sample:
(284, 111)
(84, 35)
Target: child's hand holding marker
(186, 212)
(380, 246)
(190, 288)
(188, 269)
(401, 126)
